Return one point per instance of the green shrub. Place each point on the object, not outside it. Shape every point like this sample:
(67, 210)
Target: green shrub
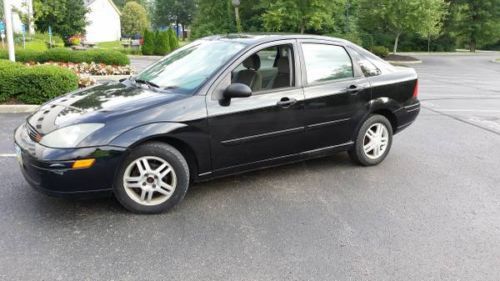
(66, 55)
(162, 44)
(380, 51)
(148, 45)
(34, 85)
(173, 40)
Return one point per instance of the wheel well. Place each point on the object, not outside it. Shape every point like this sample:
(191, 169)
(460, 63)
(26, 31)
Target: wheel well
(390, 116)
(183, 148)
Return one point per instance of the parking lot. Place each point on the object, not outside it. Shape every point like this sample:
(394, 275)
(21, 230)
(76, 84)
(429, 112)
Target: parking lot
(431, 211)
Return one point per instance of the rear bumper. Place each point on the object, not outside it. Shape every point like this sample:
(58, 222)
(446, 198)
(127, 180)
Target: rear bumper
(407, 115)
(50, 170)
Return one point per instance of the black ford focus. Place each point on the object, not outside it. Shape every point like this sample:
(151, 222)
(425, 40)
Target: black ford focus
(218, 106)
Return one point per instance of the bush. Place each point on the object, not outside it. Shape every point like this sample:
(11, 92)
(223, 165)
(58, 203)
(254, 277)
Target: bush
(34, 85)
(66, 55)
(380, 51)
(162, 44)
(173, 40)
(148, 45)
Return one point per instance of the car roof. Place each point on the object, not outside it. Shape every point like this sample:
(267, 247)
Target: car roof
(259, 38)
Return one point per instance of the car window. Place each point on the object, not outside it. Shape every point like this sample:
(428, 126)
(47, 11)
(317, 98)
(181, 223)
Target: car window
(367, 67)
(267, 69)
(187, 68)
(326, 63)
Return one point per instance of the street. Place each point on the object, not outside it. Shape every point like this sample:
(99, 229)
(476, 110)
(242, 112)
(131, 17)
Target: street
(430, 211)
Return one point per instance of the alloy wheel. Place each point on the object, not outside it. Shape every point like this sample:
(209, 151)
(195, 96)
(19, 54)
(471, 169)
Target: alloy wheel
(149, 180)
(375, 141)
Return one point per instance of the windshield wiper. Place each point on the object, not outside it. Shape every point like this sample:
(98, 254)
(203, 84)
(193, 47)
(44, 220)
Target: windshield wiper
(149, 83)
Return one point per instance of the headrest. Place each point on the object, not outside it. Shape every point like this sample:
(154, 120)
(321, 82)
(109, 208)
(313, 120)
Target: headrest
(283, 65)
(252, 62)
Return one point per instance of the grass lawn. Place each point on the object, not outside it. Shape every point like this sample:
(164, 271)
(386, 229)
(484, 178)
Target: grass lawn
(498, 60)
(114, 45)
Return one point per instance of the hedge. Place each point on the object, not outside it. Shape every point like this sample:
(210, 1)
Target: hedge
(66, 55)
(380, 51)
(34, 85)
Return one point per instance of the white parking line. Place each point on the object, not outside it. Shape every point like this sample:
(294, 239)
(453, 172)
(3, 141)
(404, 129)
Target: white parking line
(469, 110)
(7, 155)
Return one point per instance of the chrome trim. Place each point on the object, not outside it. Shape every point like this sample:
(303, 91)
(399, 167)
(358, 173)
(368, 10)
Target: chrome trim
(260, 136)
(316, 125)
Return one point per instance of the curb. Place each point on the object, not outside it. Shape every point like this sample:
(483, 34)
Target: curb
(18, 108)
(105, 78)
(404, 62)
(144, 57)
(495, 61)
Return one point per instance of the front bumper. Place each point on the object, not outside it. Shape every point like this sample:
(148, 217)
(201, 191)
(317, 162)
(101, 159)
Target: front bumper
(50, 170)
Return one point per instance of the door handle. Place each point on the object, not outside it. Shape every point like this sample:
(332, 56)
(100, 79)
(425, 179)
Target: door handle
(287, 102)
(353, 89)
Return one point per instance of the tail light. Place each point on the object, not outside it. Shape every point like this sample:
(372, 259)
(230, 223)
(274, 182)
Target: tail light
(415, 90)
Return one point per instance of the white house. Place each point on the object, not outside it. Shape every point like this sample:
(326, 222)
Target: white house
(103, 21)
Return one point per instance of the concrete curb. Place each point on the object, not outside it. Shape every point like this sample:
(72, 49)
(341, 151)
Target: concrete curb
(105, 78)
(404, 62)
(145, 57)
(18, 108)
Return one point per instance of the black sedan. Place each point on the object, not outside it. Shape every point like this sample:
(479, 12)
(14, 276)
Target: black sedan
(218, 106)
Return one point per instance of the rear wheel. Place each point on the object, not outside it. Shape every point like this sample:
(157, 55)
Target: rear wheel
(152, 179)
(373, 141)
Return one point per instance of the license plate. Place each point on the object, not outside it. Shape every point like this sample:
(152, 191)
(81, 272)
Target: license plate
(19, 155)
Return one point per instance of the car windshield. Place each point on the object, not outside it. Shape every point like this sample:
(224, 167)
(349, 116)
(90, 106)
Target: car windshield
(186, 69)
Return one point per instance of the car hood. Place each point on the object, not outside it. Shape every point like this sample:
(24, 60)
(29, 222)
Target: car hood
(96, 105)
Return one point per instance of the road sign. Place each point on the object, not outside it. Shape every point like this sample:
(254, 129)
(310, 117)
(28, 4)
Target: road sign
(2, 27)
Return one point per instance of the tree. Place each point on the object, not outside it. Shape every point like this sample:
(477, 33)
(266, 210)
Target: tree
(299, 15)
(65, 17)
(172, 39)
(148, 44)
(432, 26)
(398, 16)
(134, 19)
(213, 17)
(477, 21)
(162, 44)
(179, 12)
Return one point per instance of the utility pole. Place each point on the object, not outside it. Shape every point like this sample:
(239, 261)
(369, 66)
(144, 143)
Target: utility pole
(7, 11)
(236, 4)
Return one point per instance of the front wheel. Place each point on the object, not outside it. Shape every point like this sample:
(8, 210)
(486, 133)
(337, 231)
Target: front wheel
(373, 141)
(152, 179)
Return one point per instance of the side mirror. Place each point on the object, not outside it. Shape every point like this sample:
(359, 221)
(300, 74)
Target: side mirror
(237, 90)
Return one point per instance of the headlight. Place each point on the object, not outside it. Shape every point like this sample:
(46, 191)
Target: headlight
(70, 136)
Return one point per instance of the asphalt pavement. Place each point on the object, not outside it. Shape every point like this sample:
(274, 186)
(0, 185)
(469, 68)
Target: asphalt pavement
(431, 211)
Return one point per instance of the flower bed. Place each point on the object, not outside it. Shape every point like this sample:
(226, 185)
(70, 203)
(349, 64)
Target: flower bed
(86, 70)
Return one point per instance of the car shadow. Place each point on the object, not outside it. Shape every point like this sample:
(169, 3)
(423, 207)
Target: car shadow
(59, 208)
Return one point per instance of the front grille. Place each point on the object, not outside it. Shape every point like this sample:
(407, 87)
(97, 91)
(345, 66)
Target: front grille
(32, 133)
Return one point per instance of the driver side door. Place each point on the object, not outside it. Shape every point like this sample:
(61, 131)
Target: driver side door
(266, 127)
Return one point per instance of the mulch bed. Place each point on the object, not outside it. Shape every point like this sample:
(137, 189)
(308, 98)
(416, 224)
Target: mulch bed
(393, 57)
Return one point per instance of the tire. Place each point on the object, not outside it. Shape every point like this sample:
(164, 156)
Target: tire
(155, 187)
(372, 157)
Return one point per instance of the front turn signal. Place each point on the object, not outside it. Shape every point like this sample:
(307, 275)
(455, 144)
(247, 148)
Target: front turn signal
(83, 163)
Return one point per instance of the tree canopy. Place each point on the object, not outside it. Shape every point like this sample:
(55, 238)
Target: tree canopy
(298, 15)
(134, 19)
(66, 17)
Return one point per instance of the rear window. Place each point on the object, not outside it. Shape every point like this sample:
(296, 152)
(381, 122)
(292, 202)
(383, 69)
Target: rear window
(326, 63)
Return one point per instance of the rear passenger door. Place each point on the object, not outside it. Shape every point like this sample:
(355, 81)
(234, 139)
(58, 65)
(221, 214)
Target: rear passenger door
(336, 94)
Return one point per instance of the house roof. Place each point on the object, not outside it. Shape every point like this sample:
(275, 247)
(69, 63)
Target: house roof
(90, 2)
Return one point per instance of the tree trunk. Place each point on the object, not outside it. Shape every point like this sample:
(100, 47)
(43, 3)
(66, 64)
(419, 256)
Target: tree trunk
(396, 42)
(429, 43)
(302, 27)
(472, 45)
